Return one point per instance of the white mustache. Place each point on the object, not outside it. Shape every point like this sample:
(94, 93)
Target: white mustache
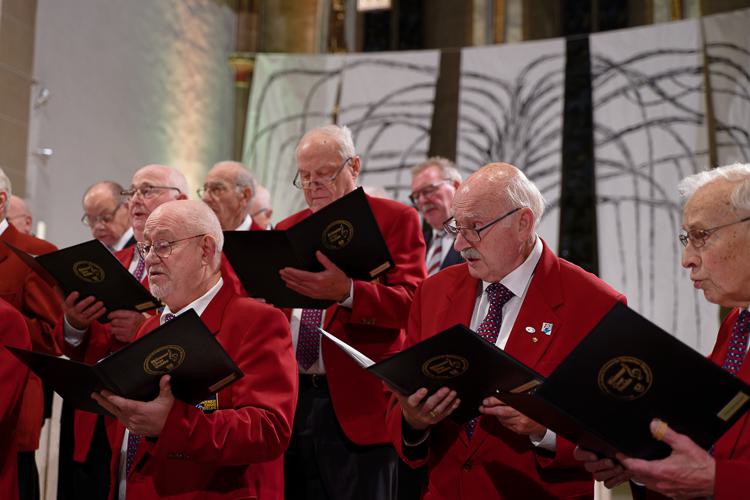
(470, 253)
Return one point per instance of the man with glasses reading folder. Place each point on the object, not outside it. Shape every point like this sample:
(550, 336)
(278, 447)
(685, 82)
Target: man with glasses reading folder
(231, 445)
(515, 293)
(716, 237)
(339, 447)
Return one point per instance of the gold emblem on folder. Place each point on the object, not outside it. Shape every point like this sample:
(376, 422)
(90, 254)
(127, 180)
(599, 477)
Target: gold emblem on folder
(338, 234)
(88, 271)
(445, 366)
(625, 377)
(164, 359)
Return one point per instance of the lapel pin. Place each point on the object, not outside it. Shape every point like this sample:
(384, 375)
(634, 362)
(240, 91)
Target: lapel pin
(547, 328)
(530, 329)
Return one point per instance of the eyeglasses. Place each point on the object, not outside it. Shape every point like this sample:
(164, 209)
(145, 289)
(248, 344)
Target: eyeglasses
(214, 190)
(161, 248)
(307, 183)
(425, 191)
(473, 234)
(698, 237)
(104, 218)
(146, 191)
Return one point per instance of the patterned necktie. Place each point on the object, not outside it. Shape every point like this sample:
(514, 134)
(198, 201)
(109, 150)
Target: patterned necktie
(308, 340)
(139, 268)
(433, 265)
(737, 343)
(135, 439)
(498, 295)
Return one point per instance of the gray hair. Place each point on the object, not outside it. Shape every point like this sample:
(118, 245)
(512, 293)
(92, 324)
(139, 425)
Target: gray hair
(521, 192)
(446, 167)
(341, 135)
(197, 218)
(737, 173)
(5, 187)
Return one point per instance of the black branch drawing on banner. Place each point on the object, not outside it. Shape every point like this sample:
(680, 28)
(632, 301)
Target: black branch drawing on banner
(516, 121)
(408, 107)
(662, 103)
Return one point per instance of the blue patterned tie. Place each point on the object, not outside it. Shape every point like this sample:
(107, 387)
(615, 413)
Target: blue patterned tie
(498, 295)
(737, 344)
(135, 439)
(308, 340)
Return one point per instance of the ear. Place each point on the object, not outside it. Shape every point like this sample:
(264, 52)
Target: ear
(356, 166)
(181, 196)
(208, 249)
(269, 212)
(525, 223)
(247, 194)
(3, 200)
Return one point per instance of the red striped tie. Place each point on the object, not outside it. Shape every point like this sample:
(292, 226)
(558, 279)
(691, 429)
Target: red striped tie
(433, 265)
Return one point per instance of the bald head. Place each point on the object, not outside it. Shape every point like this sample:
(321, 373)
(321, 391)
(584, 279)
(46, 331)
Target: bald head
(19, 215)
(189, 239)
(152, 186)
(228, 190)
(260, 207)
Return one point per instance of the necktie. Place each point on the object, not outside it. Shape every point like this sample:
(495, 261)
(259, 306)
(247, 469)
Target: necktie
(737, 343)
(135, 439)
(433, 265)
(498, 296)
(308, 340)
(139, 268)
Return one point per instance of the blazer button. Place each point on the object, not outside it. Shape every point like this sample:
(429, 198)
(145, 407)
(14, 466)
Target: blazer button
(467, 465)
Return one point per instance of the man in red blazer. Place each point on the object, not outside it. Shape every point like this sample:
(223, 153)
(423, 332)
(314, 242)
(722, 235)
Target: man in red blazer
(515, 293)
(106, 214)
(13, 376)
(338, 448)
(228, 190)
(218, 449)
(37, 301)
(716, 236)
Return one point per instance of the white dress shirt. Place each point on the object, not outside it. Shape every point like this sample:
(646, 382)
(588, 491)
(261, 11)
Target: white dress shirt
(120, 244)
(3, 226)
(199, 305)
(245, 224)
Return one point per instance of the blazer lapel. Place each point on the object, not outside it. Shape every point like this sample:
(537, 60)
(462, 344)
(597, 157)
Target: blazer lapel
(213, 314)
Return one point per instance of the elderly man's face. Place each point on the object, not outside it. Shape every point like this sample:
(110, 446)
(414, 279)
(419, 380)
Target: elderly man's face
(720, 267)
(433, 196)
(142, 206)
(500, 249)
(107, 215)
(225, 198)
(174, 276)
(317, 163)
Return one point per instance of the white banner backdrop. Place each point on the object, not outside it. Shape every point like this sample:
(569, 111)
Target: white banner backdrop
(511, 110)
(728, 54)
(386, 99)
(650, 131)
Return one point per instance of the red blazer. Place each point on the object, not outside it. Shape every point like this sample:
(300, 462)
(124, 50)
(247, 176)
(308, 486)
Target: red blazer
(375, 324)
(498, 463)
(40, 307)
(732, 451)
(13, 376)
(218, 455)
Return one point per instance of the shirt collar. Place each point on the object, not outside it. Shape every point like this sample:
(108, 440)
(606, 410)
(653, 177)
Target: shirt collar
(245, 224)
(3, 226)
(198, 304)
(517, 281)
(120, 244)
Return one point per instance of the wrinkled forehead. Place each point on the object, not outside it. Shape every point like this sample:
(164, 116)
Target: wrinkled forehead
(709, 205)
(151, 176)
(162, 225)
(478, 200)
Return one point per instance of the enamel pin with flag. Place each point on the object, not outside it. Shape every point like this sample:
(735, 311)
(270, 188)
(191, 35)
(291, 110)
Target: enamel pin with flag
(547, 328)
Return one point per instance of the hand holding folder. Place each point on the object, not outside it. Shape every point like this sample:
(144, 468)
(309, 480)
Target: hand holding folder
(183, 348)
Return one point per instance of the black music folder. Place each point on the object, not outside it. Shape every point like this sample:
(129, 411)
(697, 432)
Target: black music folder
(602, 397)
(183, 348)
(626, 372)
(90, 269)
(345, 231)
(456, 358)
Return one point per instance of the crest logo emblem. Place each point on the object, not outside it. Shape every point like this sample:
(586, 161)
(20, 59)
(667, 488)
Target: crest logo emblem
(445, 366)
(164, 359)
(338, 234)
(547, 328)
(625, 377)
(88, 271)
